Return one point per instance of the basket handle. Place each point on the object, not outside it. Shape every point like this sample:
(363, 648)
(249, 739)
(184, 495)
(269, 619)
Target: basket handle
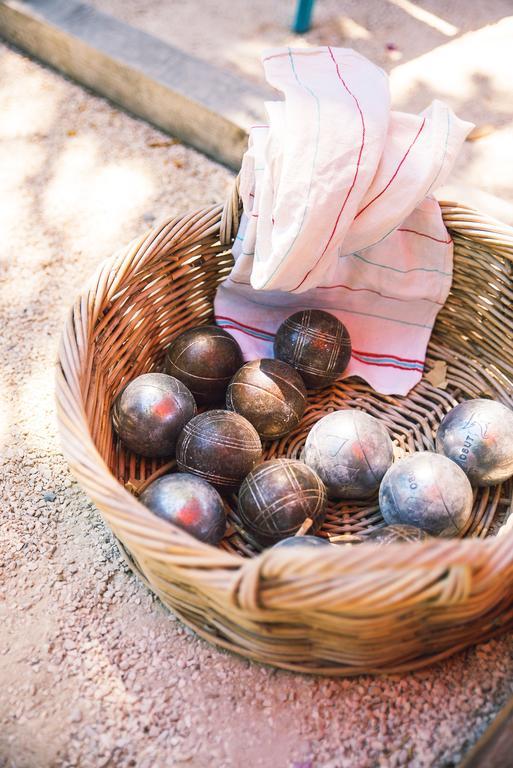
(459, 219)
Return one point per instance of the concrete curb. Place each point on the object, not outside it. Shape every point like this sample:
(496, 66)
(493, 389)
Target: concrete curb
(205, 107)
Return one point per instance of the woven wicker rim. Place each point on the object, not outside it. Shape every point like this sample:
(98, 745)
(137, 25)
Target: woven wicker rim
(301, 613)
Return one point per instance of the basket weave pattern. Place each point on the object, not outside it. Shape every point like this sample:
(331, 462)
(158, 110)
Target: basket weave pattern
(363, 608)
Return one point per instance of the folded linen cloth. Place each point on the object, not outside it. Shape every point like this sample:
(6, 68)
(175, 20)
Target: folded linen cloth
(337, 215)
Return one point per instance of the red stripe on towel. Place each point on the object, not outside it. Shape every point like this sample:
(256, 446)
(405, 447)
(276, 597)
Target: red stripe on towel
(395, 172)
(423, 234)
(355, 173)
(251, 327)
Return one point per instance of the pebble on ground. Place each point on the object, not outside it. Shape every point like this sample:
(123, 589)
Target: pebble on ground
(94, 671)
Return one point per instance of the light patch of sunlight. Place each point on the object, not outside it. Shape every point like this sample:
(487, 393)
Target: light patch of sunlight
(88, 193)
(246, 55)
(449, 30)
(462, 69)
(32, 113)
(28, 281)
(16, 169)
(38, 412)
(109, 684)
(352, 30)
(492, 160)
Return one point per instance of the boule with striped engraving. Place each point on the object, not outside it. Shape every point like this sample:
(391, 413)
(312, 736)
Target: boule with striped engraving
(278, 497)
(150, 412)
(219, 446)
(270, 394)
(316, 344)
(350, 451)
(204, 359)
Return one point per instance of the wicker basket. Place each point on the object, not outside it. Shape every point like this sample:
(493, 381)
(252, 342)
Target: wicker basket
(363, 608)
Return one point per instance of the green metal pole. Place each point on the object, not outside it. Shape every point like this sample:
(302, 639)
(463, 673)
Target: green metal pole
(303, 16)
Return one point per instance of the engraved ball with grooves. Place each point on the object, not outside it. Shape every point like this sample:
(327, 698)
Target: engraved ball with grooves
(391, 534)
(150, 412)
(350, 451)
(316, 344)
(222, 447)
(428, 491)
(188, 502)
(204, 359)
(478, 436)
(270, 394)
(277, 497)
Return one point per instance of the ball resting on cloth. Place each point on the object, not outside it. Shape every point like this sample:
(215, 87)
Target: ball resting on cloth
(428, 491)
(204, 359)
(350, 451)
(277, 497)
(188, 502)
(150, 412)
(270, 394)
(391, 534)
(302, 541)
(478, 436)
(316, 344)
(220, 447)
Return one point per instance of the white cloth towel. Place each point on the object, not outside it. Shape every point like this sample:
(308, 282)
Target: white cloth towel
(338, 215)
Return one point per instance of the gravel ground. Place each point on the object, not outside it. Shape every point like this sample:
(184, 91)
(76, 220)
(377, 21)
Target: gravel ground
(93, 670)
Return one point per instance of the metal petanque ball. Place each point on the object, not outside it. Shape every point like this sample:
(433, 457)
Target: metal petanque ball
(478, 436)
(391, 534)
(188, 502)
(428, 491)
(316, 344)
(221, 447)
(270, 394)
(150, 412)
(302, 541)
(204, 359)
(277, 497)
(350, 451)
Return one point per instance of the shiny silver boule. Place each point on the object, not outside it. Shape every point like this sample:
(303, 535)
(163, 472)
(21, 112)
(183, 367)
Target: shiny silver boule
(190, 503)
(302, 541)
(150, 412)
(429, 491)
(391, 534)
(350, 451)
(478, 436)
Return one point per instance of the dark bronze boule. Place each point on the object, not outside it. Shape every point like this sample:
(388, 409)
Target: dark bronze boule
(270, 394)
(277, 497)
(190, 503)
(204, 359)
(390, 534)
(150, 412)
(219, 446)
(302, 541)
(350, 450)
(316, 344)
(478, 436)
(429, 491)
